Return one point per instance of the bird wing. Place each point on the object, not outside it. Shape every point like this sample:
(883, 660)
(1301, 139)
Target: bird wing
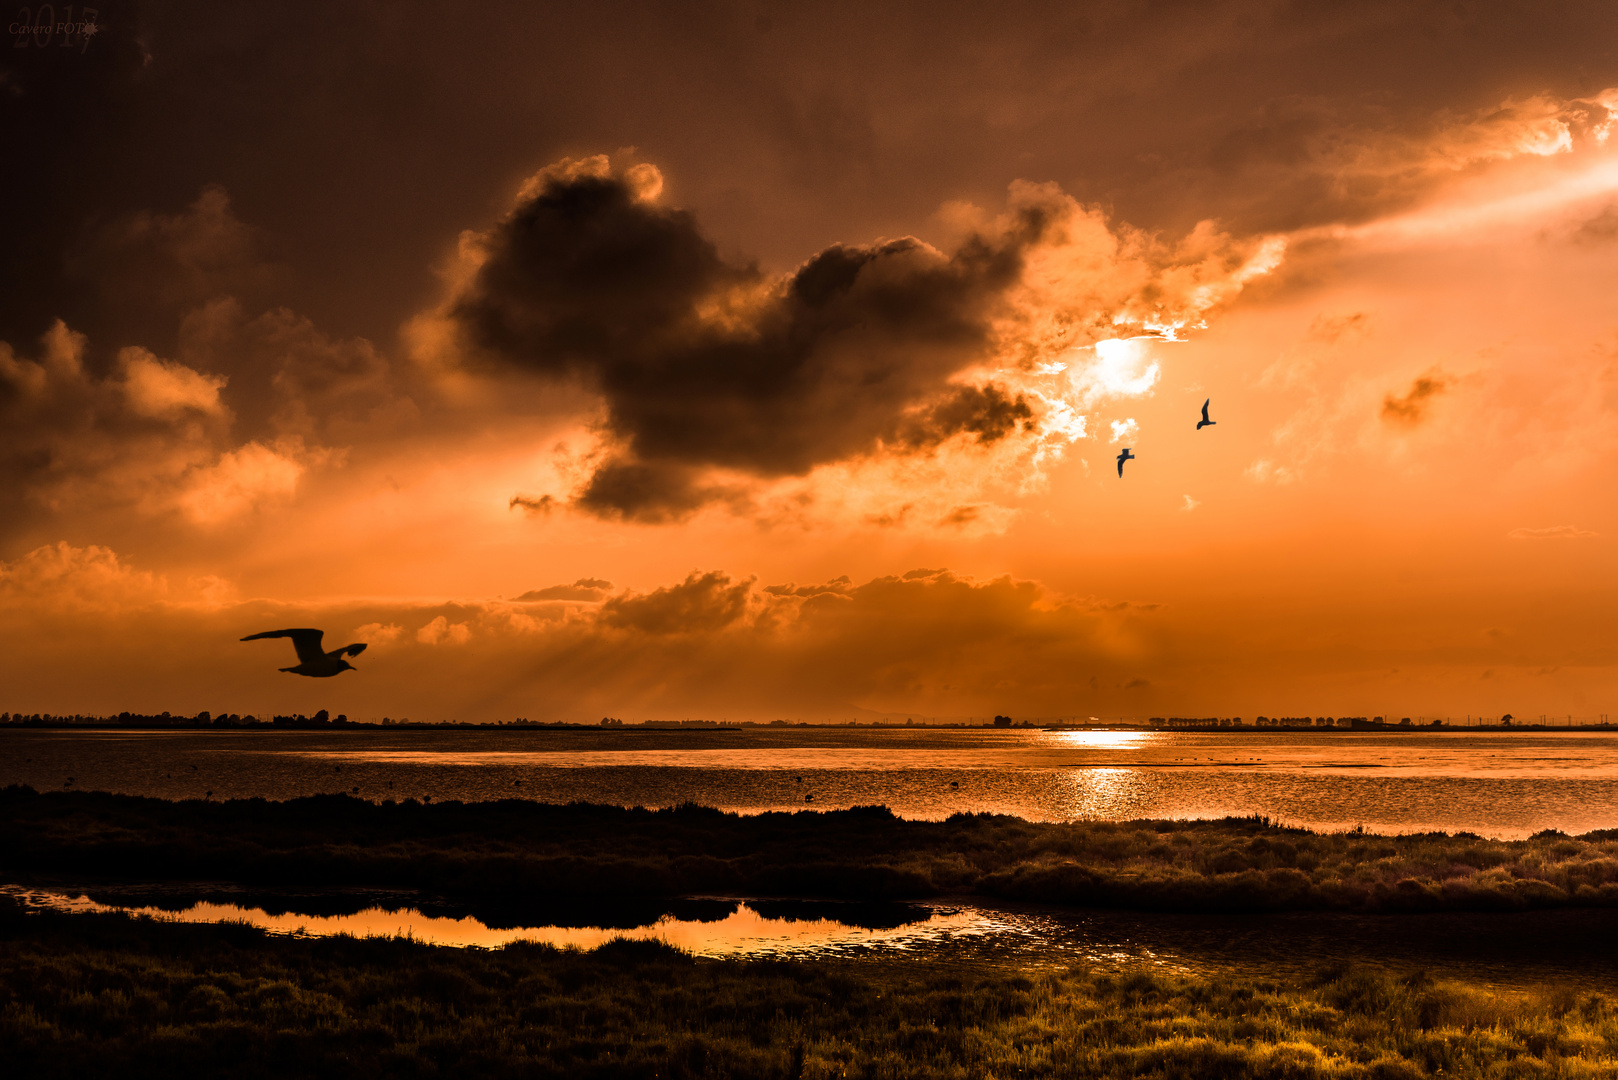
(306, 641)
(351, 650)
(1205, 409)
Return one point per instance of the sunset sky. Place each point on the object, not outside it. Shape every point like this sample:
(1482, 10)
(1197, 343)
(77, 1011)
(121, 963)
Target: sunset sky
(761, 361)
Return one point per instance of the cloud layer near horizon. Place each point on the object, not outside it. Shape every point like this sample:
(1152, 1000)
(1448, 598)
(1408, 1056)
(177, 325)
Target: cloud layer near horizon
(924, 643)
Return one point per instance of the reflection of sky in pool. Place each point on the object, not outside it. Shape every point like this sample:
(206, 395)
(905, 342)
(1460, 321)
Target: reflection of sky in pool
(743, 931)
(1501, 949)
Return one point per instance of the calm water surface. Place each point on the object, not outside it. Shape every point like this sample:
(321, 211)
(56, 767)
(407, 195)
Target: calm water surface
(1503, 784)
(1506, 951)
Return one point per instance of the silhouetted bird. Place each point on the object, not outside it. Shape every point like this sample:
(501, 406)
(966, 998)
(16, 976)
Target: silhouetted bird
(1123, 457)
(1204, 422)
(312, 660)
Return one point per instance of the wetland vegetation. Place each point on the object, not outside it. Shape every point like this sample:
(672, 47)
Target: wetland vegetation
(581, 852)
(111, 995)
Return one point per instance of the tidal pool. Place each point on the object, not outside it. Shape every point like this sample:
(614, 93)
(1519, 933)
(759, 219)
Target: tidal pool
(1509, 950)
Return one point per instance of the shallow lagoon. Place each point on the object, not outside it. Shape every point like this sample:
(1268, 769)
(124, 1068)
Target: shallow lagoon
(1500, 784)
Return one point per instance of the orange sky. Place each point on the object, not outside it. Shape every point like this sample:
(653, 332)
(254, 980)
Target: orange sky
(820, 422)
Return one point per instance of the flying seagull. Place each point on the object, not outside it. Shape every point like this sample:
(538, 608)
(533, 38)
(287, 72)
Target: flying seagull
(1123, 457)
(1204, 422)
(312, 659)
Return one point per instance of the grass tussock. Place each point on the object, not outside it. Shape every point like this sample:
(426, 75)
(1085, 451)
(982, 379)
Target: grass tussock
(89, 996)
(580, 851)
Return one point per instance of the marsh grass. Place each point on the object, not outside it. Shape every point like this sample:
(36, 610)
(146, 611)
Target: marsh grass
(580, 852)
(110, 995)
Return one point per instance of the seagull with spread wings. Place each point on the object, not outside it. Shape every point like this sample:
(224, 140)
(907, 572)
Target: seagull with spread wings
(313, 660)
(1205, 422)
(1123, 457)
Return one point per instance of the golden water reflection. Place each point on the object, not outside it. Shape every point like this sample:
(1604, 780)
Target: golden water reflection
(1101, 740)
(743, 931)
(1104, 793)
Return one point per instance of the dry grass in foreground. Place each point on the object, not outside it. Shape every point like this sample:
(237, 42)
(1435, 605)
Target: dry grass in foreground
(106, 995)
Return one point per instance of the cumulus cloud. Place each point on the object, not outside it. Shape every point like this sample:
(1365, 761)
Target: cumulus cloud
(164, 390)
(70, 438)
(1124, 429)
(65, 579)
(241, 479)
(243, 409)
(709, 368)
(702, 602)
(441, 631)
(375, 633)
(1554, 532)
(65, 576)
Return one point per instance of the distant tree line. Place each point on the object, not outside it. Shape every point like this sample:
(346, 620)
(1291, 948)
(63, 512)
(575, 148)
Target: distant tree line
(320, 721)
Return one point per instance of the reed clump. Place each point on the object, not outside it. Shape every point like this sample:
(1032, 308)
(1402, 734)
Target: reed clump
(581, 851)
(100, 995)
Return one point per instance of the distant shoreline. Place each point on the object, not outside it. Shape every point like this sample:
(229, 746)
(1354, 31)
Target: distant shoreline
(304, 723)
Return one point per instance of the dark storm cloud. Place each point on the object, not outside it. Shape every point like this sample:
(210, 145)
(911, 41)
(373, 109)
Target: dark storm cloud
(651, 492)
(1411, 409)
(704, 363)
(987, 412)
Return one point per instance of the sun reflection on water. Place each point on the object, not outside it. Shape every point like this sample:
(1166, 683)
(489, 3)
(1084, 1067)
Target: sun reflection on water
(1101, 740)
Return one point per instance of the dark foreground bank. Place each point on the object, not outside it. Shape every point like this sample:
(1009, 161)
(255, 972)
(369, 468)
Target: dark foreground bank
(533, 853)
(108, 995)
